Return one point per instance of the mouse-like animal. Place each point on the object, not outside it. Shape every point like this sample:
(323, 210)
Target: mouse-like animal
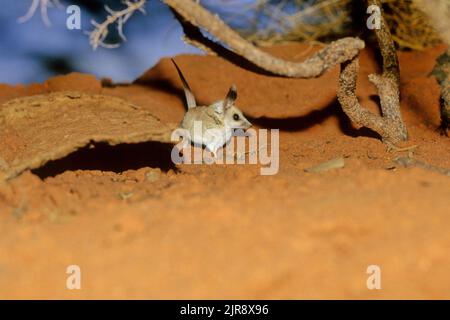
(211, 126)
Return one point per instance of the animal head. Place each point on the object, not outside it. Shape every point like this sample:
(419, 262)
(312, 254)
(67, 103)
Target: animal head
(232, 117)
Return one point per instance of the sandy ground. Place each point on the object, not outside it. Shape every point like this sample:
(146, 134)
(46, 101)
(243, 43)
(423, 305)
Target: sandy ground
(141, 227)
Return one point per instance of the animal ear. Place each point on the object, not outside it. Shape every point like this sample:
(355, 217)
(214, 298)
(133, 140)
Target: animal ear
(230, 98)
(190, 99)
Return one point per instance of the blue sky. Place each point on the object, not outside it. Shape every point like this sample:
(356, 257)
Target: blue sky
(32, 52)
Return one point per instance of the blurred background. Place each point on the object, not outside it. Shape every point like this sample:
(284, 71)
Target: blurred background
(31, 51)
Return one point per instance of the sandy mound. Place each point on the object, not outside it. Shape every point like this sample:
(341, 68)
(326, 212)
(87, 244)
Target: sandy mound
(140, 227)
(37, 129)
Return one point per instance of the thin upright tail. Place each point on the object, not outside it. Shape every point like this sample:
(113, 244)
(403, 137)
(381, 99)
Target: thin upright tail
(190, 99)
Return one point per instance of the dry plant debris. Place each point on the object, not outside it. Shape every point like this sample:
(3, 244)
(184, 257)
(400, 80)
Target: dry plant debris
(310, 21)
(442, 73)
(98, 36)
(336, 163)
(37, 129)
(438, 12)
(409, 26)
(344, 51)
(315, 20)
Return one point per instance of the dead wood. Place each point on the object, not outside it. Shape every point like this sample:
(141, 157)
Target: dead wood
(389, 124)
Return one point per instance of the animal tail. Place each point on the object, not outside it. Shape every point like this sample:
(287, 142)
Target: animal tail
(190, 99)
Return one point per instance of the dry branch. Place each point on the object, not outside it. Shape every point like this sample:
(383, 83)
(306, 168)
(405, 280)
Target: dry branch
(390, 124)
(345, 51)
(335, 53)
(43, 5)
(438, 12)
(98, 36)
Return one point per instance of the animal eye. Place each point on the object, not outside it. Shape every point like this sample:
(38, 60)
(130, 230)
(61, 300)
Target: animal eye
(236, 117)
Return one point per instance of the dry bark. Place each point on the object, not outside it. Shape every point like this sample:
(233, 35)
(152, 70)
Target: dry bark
(438, 12)
(37, 129)
(390, 124)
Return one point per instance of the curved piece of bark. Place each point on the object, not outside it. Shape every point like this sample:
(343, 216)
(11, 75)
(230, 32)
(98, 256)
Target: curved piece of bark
(335, 53)
(38, 129)
(387, 128)
(390, 124)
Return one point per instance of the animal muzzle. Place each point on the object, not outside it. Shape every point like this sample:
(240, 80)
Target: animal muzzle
(246, 124)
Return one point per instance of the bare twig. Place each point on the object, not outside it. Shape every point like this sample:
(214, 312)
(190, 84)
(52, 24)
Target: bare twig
(98, 36)
(390, 124)
(44, 5)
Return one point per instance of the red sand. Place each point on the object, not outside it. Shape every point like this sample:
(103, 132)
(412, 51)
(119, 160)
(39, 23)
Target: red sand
(195, 231)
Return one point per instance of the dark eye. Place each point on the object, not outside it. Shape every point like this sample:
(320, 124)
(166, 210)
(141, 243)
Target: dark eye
(235, 117)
